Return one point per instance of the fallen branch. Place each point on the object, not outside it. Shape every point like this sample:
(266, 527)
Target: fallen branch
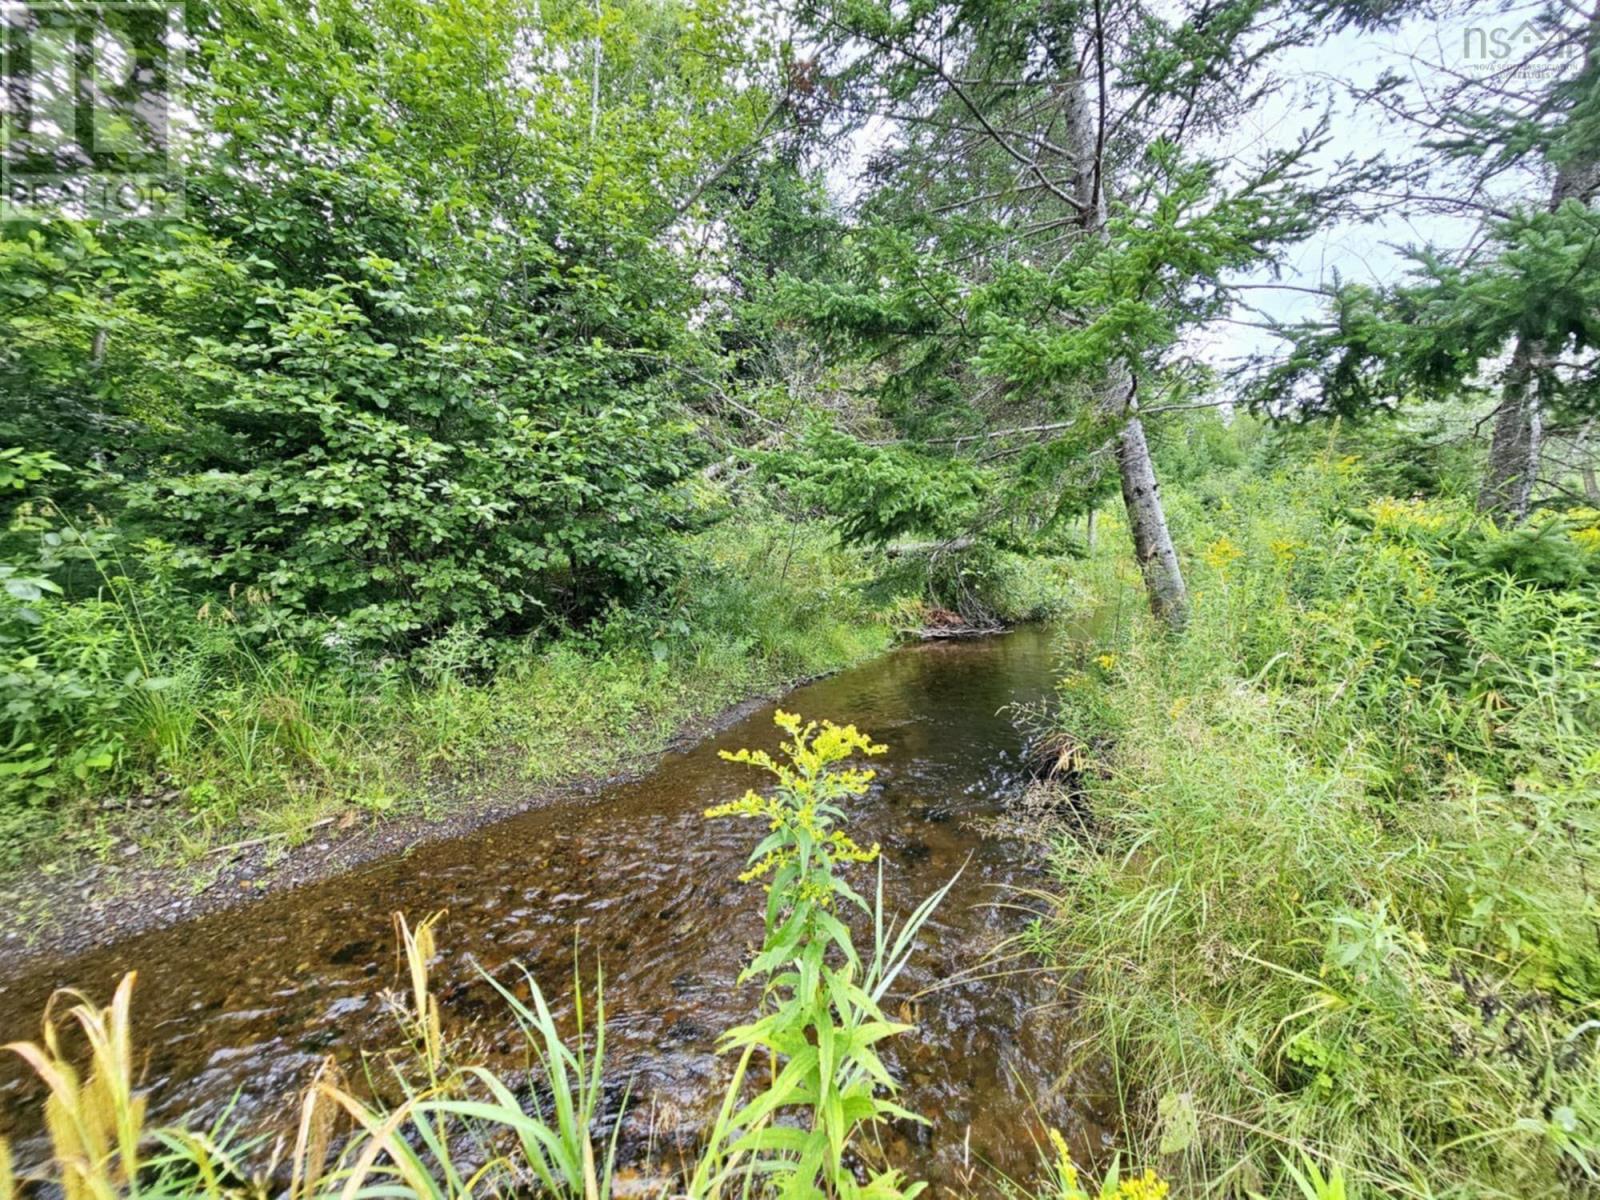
(900, 549)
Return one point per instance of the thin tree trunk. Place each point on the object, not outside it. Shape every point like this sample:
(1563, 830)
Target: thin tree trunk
(1518, 439)
(1147, 520)
(1585, 461)
(1152, 543)
(1089, 530)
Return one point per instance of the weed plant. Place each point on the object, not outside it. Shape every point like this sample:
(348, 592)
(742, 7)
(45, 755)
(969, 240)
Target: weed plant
(1339, 902)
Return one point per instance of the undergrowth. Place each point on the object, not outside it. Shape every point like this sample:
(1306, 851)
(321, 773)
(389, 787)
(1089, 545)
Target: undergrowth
(1336, 895)
(135, 712)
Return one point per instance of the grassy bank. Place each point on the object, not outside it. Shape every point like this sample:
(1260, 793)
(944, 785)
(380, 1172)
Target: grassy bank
(239, 739)
(149, 718)
(1337, 894)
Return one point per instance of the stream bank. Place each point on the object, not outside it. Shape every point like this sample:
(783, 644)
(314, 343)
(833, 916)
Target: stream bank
(646, 889)
(74, 907)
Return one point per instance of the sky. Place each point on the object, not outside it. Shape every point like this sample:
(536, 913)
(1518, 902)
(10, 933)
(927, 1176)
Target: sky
(1355, 252)
(1317, 76)
(1429, 53)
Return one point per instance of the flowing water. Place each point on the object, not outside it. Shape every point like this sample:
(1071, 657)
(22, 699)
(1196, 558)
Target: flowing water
(246, 1003)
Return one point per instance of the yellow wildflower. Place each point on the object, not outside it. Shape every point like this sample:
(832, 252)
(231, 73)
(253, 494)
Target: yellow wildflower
(1221, 553)
(748, 805)
(804, 783)
(761, 868)
(1065, 1169)
(1148, 1186)
(1106, 661)
(1398, 515)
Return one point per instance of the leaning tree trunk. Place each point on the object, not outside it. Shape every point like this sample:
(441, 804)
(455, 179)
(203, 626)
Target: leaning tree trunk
(1518, 439)
(1152, 543)
(1141, 495)
(1147, 520)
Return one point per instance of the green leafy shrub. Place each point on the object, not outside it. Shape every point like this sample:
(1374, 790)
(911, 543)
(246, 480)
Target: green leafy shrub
(75, 671)
(382, 492)
(395, 374)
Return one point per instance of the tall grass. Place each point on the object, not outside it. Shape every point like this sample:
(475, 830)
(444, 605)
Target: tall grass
(134, 694)
(1338, 898)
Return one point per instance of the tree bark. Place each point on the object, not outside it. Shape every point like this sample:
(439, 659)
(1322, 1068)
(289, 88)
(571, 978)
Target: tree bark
(1152, 543)
(1585, 460)
(902, 549)
(1147, 519)
(1518, 439)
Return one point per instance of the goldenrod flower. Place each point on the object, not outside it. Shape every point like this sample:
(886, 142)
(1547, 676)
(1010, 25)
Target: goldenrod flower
(1222, 553)
(1064, 1166)
(1399, 515)
(1148, 1186)
(801, 808)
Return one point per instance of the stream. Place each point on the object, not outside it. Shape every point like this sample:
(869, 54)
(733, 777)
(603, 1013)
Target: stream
(241, 1006)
